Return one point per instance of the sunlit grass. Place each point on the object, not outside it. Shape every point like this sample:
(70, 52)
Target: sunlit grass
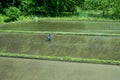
(66, 58)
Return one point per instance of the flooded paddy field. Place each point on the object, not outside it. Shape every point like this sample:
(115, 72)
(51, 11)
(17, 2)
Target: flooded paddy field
(13, 40)
(99, 47)
(29, 69)
(65, 26)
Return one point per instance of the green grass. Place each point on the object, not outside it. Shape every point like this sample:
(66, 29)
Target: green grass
(63, 33)
(90, 15)
(66, 58)
(2, 18)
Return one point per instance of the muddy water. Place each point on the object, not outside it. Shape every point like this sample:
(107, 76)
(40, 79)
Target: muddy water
(99, 47)
(65, 26)
(26, 69)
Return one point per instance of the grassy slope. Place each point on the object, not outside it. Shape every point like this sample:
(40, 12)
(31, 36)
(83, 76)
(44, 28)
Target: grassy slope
(66, 58)
(26, 69)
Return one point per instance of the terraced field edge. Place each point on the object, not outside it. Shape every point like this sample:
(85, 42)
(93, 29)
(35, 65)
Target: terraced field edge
(63, 33)
(66, 58)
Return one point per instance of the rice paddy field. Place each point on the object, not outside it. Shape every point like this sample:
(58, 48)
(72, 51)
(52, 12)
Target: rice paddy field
(29, 38)
(77, 39)
(65, 26)
(29, 69)
(97, 47)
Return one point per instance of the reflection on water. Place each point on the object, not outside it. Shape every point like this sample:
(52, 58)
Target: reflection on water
(61, 45)
(49, 44)
(102, 47)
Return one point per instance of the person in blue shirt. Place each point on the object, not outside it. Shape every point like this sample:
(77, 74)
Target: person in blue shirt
(49, 37)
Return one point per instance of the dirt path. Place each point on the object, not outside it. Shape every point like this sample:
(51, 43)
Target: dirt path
(29, 69)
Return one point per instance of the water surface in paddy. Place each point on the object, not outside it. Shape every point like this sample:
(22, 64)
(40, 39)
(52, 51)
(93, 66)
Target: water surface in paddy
(29, 69)
(65, 26)
(99, 47)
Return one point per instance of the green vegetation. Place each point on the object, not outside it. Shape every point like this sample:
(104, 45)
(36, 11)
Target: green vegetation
(84, 9)
(75, 38)
(66, 58)
(13, 13)
(63, 33)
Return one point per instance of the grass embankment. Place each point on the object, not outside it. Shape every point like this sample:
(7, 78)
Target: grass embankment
(66, 58)
(63, 33)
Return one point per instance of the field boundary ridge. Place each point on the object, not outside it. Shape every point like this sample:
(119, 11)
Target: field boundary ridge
(66, 58)
(62, 33)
